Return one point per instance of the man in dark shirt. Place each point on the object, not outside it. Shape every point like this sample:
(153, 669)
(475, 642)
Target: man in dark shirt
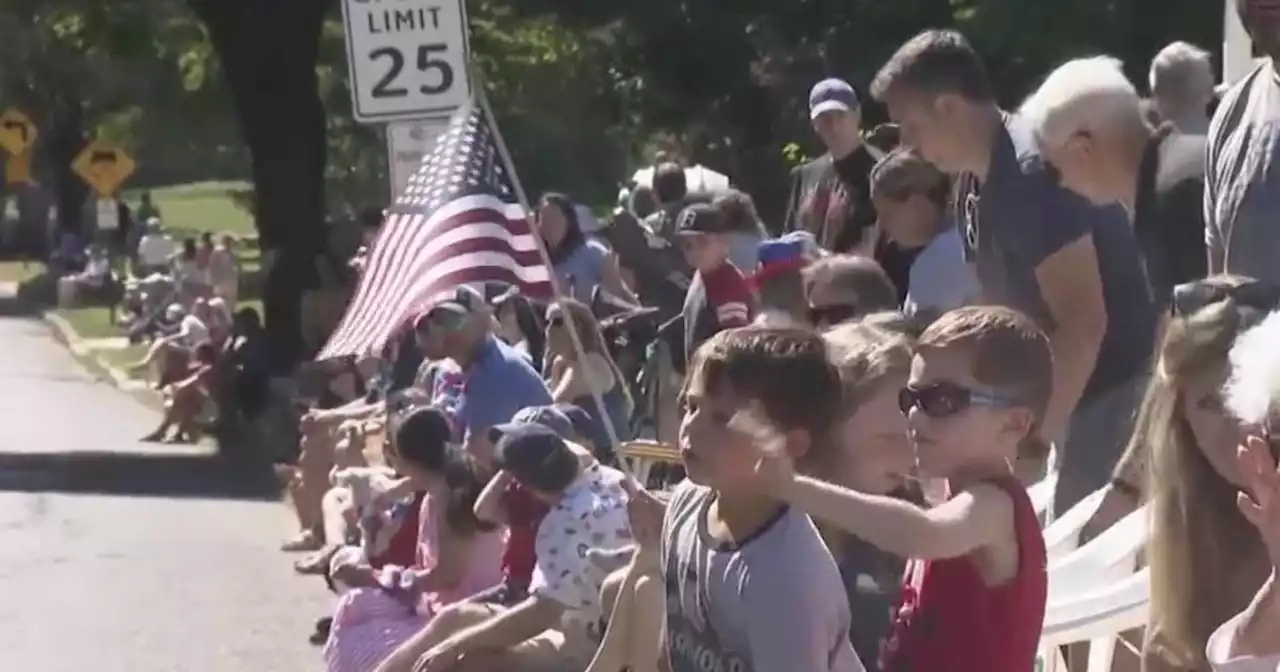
(831, 195)
(719, 297)
(1038, 248)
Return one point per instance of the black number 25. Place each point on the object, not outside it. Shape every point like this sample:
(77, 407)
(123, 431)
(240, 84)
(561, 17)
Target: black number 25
(427, 63)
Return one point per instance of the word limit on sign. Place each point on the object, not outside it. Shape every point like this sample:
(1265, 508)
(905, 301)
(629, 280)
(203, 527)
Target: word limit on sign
(408, 58)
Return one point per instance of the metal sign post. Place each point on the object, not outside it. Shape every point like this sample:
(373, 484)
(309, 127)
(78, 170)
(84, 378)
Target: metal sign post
(407, 58)
(104, 168)
(407, 143)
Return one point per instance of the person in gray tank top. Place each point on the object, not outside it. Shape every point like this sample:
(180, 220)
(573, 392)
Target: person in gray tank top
(1241, 190)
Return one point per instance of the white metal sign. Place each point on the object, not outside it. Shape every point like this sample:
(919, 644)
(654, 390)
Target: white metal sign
(407, 58)
(108, 213)
(1239, 54)
(407, 143)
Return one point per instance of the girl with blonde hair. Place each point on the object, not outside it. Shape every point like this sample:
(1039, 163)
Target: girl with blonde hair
(873, 357)
(1206, 560)
(578, 381)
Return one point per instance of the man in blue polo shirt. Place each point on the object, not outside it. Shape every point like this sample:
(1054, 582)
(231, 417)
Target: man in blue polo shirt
(498, 380)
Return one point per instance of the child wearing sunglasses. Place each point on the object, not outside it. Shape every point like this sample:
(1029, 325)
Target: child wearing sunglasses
(974, 590)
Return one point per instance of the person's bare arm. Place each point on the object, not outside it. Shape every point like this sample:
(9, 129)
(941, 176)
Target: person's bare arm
(399, 490)
(1071, 285)
(1257, 636)
(452, 554)
(612, 281)
(508, 628)
(489, 504)
(356, 409)
(976, 518)
(576, 381)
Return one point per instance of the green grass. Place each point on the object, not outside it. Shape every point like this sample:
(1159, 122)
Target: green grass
(187, 210)
(19, 271)
(91, 322)
(95, 321)
(191, 209)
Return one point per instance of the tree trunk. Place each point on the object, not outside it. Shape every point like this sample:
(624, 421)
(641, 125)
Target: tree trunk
(66, 138)
(268, 51)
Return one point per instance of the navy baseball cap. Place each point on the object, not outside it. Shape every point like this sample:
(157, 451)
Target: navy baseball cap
(832, 94)
(700, 218)
(536, 457)
(459, 304)
(549, 417)
(578, 417)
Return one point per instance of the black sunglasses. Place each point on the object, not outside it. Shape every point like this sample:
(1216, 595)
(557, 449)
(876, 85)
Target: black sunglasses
(941, 400)
(834, 314)
(556, 321)
(1192, 297)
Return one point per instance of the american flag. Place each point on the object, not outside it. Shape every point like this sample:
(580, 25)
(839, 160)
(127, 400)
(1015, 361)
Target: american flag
(457, 222)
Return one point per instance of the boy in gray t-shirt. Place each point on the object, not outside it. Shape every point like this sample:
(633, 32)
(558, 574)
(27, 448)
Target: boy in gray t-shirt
(773, 602)
(750, 586)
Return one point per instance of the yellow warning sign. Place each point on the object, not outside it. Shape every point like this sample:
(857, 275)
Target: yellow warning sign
(103, 167)
(17, 169)
(17, 132)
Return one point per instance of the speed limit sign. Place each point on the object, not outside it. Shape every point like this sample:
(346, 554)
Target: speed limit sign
(408, 58)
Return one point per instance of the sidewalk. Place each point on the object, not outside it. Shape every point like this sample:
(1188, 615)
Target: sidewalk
(90, 351)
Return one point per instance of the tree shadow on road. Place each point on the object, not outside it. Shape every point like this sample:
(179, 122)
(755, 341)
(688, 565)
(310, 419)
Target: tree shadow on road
(12, 306)
(137, 475)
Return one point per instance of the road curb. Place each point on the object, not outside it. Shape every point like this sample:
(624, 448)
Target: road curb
(68, 336)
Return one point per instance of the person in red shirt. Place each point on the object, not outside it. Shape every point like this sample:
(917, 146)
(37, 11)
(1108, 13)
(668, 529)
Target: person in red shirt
(975, 586)
(719, 297)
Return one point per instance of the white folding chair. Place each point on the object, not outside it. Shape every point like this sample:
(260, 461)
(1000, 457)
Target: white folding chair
(1097, 617)
(1109, 557)
(641, 455)
(1041, 494)
(1062, 535)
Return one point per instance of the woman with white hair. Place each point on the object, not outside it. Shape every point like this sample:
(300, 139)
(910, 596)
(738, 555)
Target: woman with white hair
(1089, 124)
(1250, 641)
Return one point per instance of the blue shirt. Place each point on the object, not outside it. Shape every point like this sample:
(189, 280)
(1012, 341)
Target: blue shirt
(1021, 216)
(583, 269)
(497, 384)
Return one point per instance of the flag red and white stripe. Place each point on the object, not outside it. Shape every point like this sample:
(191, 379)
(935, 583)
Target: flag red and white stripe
(458, 222)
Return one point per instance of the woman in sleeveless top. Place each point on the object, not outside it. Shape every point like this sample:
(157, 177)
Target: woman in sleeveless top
(581, 264)
(573, 380)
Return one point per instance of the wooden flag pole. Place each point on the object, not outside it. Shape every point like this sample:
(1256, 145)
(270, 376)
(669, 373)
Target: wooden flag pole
(477, 85)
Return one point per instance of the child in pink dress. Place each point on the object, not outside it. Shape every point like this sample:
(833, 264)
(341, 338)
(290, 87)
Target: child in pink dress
(457, 554)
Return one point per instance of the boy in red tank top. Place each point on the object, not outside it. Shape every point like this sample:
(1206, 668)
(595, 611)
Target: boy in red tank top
(973, 596)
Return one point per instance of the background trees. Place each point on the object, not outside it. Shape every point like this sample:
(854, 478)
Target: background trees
(216, 89)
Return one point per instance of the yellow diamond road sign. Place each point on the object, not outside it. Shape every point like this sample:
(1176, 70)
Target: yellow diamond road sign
(17, 133)
(103, 167)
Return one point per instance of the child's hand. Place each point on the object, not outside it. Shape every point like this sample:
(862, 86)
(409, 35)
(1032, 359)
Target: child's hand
(356, 576)
(645, 513)
(610, 559)
(775, 466)
(776, 471)
(1260, 500)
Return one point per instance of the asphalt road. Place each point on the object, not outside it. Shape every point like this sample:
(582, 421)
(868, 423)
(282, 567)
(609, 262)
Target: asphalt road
(117, 556)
